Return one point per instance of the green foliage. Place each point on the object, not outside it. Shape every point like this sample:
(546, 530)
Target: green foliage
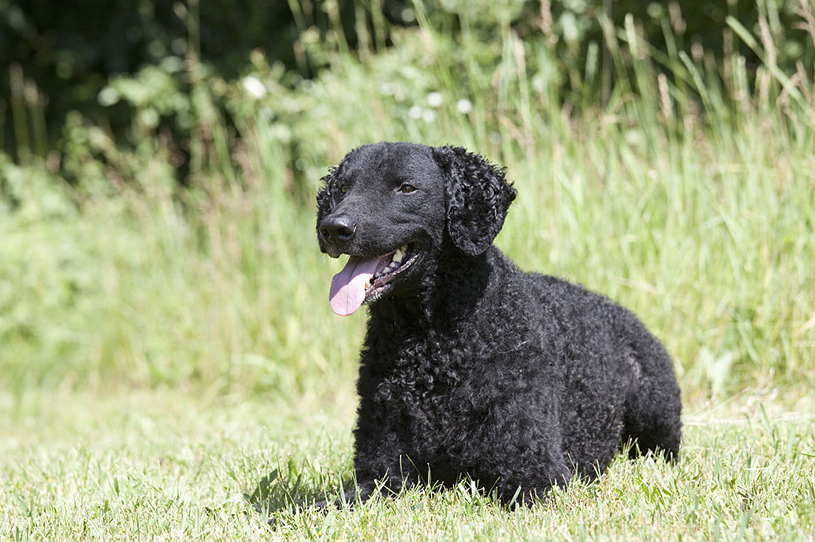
(66, 58)
(687, 198)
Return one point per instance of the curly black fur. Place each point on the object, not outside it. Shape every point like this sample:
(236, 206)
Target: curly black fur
(471, 367)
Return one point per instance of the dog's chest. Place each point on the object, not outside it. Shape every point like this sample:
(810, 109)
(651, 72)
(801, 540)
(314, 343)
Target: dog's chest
(428, 386)
(418, 374)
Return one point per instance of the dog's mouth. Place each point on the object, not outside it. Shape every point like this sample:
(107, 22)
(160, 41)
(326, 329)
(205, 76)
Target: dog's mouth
(365, 280)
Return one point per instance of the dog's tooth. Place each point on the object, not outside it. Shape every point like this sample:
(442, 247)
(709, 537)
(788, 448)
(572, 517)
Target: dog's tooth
(398, 255)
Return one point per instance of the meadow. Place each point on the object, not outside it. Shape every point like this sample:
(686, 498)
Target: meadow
(171, 369)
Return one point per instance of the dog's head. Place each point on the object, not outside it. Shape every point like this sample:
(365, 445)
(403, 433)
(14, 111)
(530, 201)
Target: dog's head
(393, 206)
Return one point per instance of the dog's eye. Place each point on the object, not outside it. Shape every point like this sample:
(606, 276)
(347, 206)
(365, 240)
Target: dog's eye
(407, 188)
(344, 188)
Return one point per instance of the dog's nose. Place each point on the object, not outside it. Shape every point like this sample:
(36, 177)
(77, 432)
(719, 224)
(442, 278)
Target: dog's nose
(337, 229)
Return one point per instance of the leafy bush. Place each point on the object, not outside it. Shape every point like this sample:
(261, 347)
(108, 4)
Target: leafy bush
(685, 196)
(79, 57)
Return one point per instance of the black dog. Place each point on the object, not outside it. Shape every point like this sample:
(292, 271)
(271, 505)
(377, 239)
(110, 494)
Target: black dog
(471, 367)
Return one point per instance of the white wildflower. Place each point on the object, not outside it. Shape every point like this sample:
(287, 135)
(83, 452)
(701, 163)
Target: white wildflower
(435, 99)
(464, 106)
(415, 112)
(254, 86)
(108, 96)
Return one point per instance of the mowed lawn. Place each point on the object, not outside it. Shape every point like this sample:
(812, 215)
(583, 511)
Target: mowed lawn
(169, 466)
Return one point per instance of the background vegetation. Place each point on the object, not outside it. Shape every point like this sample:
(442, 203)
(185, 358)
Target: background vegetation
(168, 360)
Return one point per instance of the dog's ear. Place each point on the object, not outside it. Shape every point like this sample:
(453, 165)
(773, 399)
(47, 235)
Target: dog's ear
(478, 197)
(326, 194)
(330, 193)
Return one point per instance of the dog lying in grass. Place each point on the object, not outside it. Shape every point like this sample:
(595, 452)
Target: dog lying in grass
(470, 366)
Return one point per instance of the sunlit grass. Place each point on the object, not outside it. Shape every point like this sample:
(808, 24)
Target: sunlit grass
(174, 467)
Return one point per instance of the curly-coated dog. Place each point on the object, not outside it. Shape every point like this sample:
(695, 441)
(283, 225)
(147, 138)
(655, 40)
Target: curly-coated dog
(470, 366)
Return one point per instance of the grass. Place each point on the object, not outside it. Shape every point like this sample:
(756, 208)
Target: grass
(171, 369)
(167, 466)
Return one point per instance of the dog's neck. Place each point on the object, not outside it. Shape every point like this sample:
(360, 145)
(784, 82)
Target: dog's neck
(449, 292)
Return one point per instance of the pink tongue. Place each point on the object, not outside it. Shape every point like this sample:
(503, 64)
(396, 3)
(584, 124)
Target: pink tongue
(348, 286)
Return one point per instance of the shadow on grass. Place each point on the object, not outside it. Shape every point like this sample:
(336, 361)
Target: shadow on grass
(275, 493)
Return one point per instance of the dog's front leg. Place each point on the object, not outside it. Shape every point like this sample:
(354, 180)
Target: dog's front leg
(367, 486)
(381, 464)
(380, 467)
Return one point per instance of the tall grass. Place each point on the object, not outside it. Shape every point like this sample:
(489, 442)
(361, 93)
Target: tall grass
(687, 198)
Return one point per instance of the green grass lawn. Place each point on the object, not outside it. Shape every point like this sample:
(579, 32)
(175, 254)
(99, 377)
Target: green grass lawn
(170, 466)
